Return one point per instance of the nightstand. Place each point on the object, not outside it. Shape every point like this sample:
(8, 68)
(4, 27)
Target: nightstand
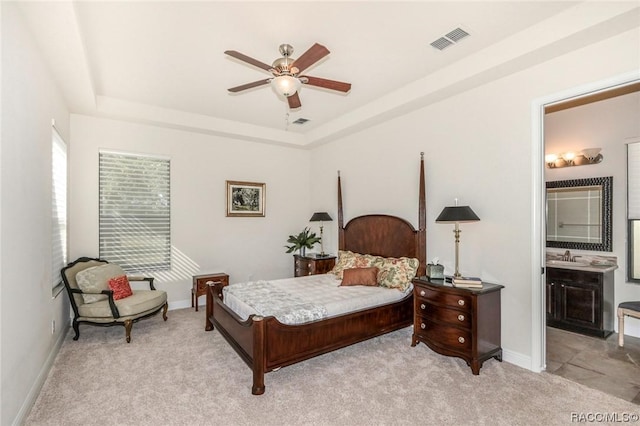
(200, 285)
(312, 264)
(459, 322)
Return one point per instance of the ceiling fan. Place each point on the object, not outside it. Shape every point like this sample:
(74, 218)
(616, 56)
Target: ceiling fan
(286, 71)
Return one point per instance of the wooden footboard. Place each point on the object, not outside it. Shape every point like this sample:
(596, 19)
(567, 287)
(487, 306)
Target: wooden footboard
(266, 344)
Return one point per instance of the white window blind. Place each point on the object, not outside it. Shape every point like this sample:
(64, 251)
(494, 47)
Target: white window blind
(58, 206)
(633, 180)
(135, 212)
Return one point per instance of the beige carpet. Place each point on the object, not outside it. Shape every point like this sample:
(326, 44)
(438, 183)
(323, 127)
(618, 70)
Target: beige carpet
(175, 373)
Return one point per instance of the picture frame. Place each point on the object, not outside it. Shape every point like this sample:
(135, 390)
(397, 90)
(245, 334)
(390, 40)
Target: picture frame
(245, 199)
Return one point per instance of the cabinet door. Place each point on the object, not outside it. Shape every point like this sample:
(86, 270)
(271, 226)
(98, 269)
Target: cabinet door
(580, 304)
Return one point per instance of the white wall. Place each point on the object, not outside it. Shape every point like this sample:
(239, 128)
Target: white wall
(608, 125)
(204, 240)
(478, 148)
(30, 101)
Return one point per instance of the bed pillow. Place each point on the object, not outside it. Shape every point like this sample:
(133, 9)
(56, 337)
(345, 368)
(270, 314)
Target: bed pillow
(349, 260)
(396, 272)
(360, 276)
(96, 279)
(121, 287)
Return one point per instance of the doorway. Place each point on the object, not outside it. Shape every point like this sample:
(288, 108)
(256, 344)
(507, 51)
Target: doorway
(574, 97)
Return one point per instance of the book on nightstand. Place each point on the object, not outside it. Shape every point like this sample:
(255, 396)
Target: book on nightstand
(467, 282)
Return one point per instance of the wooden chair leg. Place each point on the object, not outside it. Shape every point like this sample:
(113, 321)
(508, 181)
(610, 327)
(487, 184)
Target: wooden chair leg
(76, 328)
(164, 311)
(620, 327)
(127, 326)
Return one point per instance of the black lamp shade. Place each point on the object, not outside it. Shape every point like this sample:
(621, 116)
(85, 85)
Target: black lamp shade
(320, 217)
(457, 214)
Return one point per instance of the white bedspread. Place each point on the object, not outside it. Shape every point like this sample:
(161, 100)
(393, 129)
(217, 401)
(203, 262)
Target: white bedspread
(304, 299)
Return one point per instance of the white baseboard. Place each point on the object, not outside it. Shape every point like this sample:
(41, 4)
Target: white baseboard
(42, 377)
(518, 359)
(181, 304)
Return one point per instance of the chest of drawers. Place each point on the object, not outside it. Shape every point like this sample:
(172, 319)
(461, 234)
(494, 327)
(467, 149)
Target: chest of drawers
(458, 322)
(312, 265)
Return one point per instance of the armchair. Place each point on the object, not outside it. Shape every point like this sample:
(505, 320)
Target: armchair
(93, 301)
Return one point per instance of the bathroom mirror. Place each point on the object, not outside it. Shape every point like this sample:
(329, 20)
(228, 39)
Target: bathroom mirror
(579, 214)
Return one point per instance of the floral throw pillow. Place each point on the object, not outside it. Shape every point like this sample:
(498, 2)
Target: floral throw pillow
(349, 260)
(346, 260)
(121, 287)
(396, 272)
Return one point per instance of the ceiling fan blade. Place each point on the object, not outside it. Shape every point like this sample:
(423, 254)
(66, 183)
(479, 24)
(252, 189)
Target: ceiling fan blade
(294, 101)
(249, 85)
(327, 84)
(310, 57)
(247, 59)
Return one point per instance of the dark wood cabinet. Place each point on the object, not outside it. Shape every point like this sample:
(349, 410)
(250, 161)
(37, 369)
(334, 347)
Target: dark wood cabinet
(199, 287)
(580, 301)
(312, 265)
(458, 322)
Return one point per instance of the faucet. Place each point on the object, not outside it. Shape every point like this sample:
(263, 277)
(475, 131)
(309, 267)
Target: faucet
(567, 256)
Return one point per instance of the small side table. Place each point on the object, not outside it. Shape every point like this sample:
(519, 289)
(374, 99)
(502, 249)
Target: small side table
(200, 285)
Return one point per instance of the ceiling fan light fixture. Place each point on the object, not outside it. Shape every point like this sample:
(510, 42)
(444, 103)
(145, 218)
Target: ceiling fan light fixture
(286, 85)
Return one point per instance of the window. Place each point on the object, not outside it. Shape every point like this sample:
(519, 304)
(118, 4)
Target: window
(633, 211)
(135, 212)
(58, 206)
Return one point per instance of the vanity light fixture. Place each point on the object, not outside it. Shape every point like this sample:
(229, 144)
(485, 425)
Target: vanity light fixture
(570, 158)
(457, 214)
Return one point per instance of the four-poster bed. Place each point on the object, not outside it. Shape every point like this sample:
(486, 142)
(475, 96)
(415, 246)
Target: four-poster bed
(266, 344)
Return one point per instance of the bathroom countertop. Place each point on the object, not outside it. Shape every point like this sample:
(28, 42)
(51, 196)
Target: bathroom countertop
(590, 268)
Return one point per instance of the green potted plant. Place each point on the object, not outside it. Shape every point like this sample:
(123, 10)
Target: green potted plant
(304, 240)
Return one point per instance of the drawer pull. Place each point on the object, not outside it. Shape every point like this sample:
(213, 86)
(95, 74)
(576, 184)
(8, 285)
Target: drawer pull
(423, 306)
(460, 302)
(461, 339)
(422, 293)
(423, 326)
(460, 317)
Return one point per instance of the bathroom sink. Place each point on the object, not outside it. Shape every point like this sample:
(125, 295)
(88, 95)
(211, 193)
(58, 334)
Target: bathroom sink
(566, 263)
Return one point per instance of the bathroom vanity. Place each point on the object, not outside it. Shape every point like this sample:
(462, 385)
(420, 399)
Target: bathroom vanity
(580, 298)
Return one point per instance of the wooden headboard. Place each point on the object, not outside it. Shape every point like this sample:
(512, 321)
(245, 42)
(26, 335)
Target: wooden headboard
(385, 235)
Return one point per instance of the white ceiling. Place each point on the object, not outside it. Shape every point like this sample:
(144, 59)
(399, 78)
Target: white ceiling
(163, 62)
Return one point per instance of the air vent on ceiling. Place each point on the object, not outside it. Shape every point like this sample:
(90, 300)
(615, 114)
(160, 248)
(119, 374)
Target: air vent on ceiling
(452, 37)
(301, 121)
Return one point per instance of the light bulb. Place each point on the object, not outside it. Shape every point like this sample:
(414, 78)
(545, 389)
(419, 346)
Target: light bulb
(286, 85)
(569, 157)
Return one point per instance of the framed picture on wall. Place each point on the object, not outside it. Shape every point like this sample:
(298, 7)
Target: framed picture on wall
(245, 199)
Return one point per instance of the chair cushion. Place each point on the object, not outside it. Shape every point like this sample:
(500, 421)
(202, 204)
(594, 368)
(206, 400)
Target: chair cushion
(96, 279)
(140, 302)
(121, 287)
(634, 306)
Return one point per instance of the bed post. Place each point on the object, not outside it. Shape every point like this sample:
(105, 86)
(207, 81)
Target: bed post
(208, 325)
(340, 216)
(422, 222)
(258, 364)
